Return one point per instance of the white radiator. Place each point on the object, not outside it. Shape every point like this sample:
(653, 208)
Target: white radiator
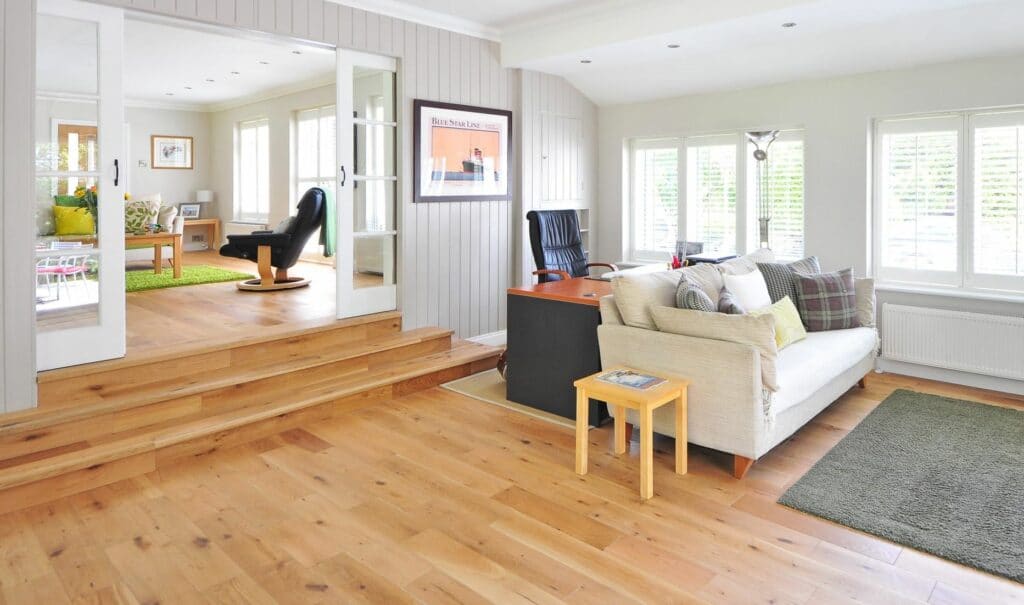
(232, 228)
(992, 345)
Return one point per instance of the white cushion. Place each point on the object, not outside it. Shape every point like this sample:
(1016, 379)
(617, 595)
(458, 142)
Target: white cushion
(808, 365)
(746, 263)
(865, 288)
(750, 290)
(635, 294)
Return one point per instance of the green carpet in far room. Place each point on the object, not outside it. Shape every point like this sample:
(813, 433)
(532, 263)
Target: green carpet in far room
(138, 281)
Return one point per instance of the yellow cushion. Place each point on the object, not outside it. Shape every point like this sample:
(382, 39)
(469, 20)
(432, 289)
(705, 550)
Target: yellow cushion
(73, 221)
(788, 326)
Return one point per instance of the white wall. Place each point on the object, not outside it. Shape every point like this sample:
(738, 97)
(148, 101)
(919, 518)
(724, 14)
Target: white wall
(175, 186)
(279, 112)
(836, 115)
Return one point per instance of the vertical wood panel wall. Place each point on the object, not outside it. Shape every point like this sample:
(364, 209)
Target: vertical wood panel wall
(456, 259)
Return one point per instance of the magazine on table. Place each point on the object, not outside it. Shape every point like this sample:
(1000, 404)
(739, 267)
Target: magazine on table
(631, 379)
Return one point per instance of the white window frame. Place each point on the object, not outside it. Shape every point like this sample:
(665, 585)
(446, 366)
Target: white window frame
(239, 215)
(963, 278)
(746, 222)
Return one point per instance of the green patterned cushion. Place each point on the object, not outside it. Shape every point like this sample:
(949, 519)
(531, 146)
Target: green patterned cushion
(138, 214)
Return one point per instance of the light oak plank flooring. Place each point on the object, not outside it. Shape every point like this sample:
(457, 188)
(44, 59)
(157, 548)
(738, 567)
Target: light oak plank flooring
(439, 498)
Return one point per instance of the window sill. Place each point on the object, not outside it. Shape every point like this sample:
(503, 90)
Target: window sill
(990, 295)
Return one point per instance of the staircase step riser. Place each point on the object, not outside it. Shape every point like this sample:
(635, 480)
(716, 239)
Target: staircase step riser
(93, 388)
(194, 406)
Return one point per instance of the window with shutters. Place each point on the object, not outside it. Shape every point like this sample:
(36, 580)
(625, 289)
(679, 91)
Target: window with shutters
(948, 200)
(252, 171)
(699, 189)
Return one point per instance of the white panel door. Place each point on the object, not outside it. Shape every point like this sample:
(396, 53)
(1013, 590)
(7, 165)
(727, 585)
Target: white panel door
(79, 170)
(367, 189)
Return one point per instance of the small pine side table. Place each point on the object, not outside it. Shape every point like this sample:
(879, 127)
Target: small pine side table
(644, 402)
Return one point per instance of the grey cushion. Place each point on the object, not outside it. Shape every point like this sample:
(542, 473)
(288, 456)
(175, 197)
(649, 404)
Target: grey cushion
(781, 277)
(728, 304)
(690, 295)
(828, 301)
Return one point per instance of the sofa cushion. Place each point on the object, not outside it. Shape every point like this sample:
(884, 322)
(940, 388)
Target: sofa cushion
(781, 277)
(73, 221)
(788, 327)
(728, 304)
(138, 214)
(865, 287)
(758, 331)
(746, 263)
(748, 289)
(690, 296)
(807, 366)
(707, 277)
(828, 301)
(635, 294)
(166, 215)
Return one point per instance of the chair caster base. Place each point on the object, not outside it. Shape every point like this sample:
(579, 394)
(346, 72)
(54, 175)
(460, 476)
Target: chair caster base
(256, 285)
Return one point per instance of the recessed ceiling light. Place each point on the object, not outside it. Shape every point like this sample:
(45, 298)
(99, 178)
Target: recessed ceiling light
(235, 73)
(263, 62)
(789, 24)
(169, 94)
(188, 88)
(296, 52)
(673, 46)
(586, 61)
(210, 80)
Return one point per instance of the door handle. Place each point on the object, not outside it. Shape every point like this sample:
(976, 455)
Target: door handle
(341, 175)
(117, 173)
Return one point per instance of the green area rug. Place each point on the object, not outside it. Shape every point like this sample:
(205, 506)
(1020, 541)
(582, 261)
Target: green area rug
(137, 281)
(937, 474)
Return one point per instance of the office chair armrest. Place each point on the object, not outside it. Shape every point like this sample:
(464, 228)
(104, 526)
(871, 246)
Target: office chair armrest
(607, 265)
(561, 274)
(260, 239)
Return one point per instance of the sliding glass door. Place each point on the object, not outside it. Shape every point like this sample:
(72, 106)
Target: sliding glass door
(79, 198)
(367, 191)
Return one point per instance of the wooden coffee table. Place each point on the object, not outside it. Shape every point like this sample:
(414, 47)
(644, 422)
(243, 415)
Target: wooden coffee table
(159, 240)
(645, 402)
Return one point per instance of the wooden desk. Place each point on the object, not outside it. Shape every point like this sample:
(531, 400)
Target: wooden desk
(212, 226)
(552, 341)
(158, 241)
(644, 402)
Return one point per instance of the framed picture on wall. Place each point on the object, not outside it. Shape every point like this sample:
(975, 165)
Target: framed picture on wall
(461, 153)
(170, 152)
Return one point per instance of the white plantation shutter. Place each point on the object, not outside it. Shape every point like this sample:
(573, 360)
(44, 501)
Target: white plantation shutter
(316, 150)
(917, 191)
(998, 200)
(711, 193)
(252, 199)
(786, 187)
(655, 199)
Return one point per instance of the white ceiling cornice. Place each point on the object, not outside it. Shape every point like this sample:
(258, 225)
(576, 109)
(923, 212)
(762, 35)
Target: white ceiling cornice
(415, 14)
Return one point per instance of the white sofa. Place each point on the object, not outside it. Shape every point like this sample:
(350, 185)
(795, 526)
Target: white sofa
(729, 408)
(167, 217)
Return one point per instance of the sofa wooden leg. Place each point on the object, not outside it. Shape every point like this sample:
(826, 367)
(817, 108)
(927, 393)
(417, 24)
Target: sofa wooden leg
(740, 465)
(862, 383)
(629, 434)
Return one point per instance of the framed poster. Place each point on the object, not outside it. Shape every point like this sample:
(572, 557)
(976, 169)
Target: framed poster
(461, 153)
(170, 152)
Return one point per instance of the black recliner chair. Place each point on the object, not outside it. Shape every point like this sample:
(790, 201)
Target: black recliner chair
(558, 245)
(281, 247)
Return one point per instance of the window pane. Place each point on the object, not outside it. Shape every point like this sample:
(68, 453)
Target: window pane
(786, 192)
(711, 196)
(919, 199)
(253, 201)
(307, 144)
(998, 219)
(656, 199)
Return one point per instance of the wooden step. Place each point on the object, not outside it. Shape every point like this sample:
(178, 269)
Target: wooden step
(178, 398)
(143, 450)
(93, 383)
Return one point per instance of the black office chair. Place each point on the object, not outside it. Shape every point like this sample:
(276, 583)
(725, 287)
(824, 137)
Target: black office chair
(558, 245)
(281, 247)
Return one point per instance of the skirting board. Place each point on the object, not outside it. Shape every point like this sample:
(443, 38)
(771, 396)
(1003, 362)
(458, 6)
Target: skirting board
(492, 339)
(977, 381)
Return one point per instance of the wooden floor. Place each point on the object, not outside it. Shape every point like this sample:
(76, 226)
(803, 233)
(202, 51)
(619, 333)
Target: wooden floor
(439, 498)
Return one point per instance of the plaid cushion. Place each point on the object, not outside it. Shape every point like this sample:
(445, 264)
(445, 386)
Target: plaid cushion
(689, 295)
(828, 301)
(781, 277)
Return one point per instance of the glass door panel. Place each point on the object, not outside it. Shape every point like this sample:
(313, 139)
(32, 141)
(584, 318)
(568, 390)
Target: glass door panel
(79, 203)
(368, 184)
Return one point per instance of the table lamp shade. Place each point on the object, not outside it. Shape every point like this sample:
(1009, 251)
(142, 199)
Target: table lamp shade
(203, 196)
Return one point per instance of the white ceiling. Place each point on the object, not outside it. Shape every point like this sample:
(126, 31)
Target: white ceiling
(162, 58)
(726, 44)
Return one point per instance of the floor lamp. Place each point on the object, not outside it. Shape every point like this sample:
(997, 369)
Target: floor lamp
(762, 141)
